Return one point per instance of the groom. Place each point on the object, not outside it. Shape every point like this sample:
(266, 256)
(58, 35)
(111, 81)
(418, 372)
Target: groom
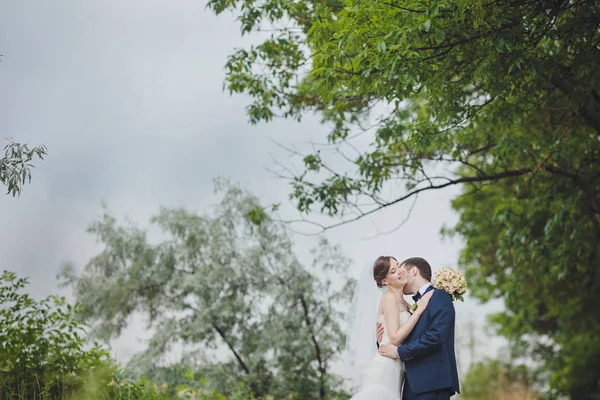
(428, 352)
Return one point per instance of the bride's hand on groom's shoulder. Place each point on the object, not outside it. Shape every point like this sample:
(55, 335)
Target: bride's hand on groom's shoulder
(424, 302)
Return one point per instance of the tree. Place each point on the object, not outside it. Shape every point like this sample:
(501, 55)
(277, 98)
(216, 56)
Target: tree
(501, 98)
(15, 166)
(227, 280)
(538, 248)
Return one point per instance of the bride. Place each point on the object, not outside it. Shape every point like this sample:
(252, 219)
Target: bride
(379, 377)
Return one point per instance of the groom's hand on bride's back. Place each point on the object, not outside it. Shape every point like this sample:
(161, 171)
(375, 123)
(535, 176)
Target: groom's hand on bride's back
(379, 331)
(388, 350)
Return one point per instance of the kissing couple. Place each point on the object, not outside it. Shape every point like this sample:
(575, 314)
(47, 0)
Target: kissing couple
(416, 358)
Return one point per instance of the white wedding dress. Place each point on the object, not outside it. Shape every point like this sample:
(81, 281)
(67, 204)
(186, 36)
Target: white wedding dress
(384, 378)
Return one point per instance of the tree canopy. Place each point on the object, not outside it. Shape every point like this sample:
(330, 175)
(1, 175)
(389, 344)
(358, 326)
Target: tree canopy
(499, 97)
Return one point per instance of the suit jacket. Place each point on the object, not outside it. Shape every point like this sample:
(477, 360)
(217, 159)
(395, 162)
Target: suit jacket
(428, 352)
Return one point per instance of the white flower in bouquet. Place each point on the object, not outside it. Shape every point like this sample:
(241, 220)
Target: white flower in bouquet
(451, 281)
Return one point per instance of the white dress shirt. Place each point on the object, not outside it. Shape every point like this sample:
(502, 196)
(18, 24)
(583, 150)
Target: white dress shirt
(424, 288)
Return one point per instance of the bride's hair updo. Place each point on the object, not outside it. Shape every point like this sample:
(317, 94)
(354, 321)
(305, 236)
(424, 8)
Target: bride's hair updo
(381, 269)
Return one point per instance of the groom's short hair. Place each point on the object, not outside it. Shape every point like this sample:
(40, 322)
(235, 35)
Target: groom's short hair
(419, 263)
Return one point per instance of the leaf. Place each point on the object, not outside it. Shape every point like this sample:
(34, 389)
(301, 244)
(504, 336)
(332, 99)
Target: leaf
(427, 25)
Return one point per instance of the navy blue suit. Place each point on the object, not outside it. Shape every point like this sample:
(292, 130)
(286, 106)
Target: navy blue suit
(428, 352)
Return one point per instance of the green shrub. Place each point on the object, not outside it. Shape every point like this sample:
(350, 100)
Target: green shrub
(492, 379)
(43, 356)
(43, 351)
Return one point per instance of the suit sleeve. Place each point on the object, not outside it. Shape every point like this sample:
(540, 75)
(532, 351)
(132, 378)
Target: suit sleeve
(442, 314)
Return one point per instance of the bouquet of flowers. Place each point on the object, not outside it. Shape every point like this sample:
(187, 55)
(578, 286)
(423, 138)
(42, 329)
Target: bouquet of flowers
(451, 281)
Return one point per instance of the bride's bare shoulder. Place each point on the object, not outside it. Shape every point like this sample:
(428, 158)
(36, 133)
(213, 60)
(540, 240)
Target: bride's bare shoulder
(387, 300)
(385, 303)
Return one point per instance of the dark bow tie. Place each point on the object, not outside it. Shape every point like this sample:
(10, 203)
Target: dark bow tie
(417, 297)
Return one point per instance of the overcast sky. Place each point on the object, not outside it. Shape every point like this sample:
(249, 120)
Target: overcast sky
(127, 95)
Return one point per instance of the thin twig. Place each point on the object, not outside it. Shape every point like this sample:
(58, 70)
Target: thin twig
(404, 221)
